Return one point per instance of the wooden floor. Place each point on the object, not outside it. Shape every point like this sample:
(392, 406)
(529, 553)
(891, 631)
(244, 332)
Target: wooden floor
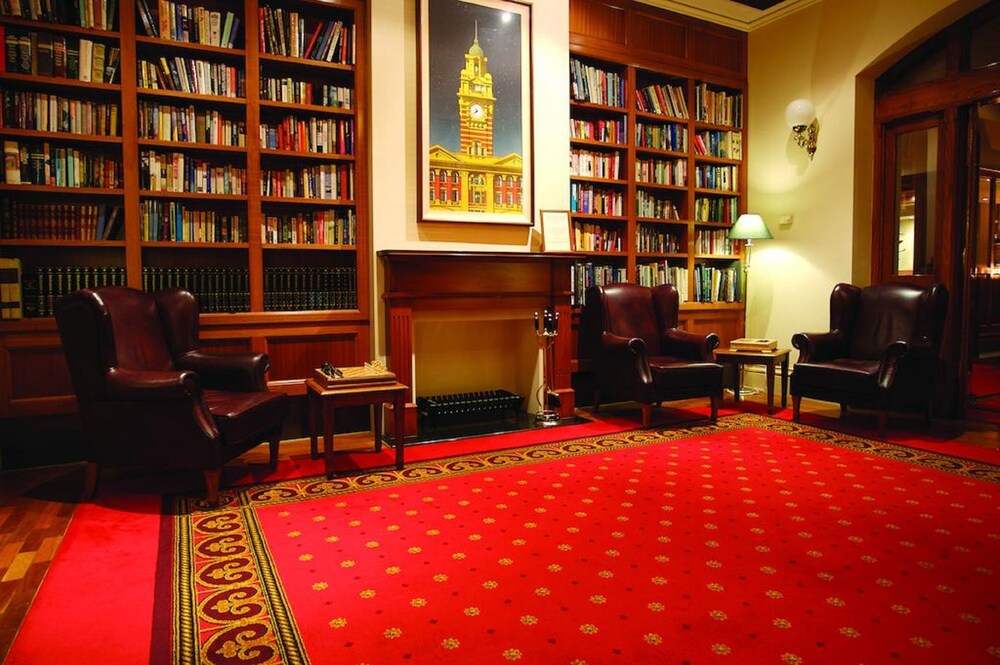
(36, 505)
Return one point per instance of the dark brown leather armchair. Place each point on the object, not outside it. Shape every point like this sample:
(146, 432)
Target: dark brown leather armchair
(639, 353)
(149, 398)
(881, 350)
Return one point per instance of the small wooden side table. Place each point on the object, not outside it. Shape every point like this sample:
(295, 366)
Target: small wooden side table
(769, 359)
(326, 400)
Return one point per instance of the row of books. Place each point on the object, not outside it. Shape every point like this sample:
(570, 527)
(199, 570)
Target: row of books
(665, 136)
(59, 221)
(39, 163)
(97, 14)
(49, 112)
(218, 289)
(652, 238)
(662, 99)
(327, 181)
(41, 287)
(719, 107)
(584, 275)
(591, 164)
(333, 227)
(662, 171)
(594, 85)
(712, 284)
(187, 23)
(717, 176)
(297, 289)
(715, 241)
(719, 143)
(178, 172)
(650, 206)
(295, 91)
(662, 272)
(605, 130)
(716, 209)
(10, 288)
(191, 75)
(176, 221)
(321, 135)
(590, 200)
(589, 237)
(58, 56)
(189, 124)
(284, 33)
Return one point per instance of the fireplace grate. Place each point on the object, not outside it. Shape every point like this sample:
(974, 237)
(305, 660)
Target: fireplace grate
(465, 406)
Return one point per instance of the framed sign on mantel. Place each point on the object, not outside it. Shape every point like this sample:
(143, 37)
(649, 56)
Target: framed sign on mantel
(475, 111)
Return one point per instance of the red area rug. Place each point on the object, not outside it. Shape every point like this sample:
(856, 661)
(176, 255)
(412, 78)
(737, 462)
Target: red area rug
(755, 540)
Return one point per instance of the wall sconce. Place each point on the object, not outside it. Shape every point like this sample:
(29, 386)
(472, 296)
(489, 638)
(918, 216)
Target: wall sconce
(801, 117)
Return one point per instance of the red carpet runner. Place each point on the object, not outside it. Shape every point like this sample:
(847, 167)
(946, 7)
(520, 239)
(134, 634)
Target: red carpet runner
(759, 540)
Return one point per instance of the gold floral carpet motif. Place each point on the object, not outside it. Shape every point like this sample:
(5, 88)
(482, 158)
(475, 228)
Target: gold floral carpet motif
(754, 540)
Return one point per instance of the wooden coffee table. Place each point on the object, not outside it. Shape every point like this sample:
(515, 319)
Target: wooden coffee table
(324, 401)
(769, 359)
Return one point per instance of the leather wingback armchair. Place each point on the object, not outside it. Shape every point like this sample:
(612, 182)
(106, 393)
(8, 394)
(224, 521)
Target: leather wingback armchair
(149, 398)
(881, 350)
(640, 354)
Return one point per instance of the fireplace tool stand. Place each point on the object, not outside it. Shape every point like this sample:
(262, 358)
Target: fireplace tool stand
(546, 329)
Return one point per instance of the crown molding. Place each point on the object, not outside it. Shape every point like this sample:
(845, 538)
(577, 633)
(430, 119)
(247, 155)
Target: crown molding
(731, 14)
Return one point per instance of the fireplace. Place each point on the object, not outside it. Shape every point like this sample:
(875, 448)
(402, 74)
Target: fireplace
(454, 286)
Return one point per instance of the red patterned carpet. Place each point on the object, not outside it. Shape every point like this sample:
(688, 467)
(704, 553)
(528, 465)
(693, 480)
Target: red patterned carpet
(753, 541)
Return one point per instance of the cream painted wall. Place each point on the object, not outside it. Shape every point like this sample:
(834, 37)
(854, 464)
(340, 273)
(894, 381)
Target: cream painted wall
(819, 53)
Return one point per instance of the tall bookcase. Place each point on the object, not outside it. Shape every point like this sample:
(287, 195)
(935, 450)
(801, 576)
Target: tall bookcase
(225, 152)
(657, 149)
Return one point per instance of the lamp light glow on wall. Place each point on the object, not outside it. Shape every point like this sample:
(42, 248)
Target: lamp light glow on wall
(801, 117)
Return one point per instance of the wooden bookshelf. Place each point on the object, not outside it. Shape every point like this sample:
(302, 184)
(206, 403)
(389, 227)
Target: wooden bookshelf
(244, 179)
(658, 143)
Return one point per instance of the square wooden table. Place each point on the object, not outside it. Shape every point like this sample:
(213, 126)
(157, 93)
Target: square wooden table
(325, 401)
(769, 359)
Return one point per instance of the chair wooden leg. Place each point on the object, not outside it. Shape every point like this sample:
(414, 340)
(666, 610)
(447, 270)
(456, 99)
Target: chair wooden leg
(272, 445)
(597, 400)
(647, 412)
(715, 407)
(212, 477)
(883, 422)
(92, 473)
(796, 404)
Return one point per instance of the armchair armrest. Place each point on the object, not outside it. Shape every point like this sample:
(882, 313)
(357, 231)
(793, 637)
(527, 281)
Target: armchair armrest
(240, 372)
(616, 345)
(696, 346)
(817, 346)
(148, 386)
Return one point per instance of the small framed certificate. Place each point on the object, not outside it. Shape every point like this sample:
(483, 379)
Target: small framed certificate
(557, 231)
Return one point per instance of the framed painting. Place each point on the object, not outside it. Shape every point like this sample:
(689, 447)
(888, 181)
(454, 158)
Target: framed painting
(475, 111)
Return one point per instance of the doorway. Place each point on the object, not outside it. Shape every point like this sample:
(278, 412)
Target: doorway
(983, 386)
(937, 157)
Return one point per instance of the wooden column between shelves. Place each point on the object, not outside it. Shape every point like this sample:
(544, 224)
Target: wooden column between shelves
(428, 281)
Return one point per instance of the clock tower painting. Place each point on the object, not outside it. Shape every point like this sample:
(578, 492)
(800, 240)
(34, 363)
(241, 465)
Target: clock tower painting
(477, 132)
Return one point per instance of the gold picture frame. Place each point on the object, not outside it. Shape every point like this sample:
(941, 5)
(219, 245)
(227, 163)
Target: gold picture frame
(475, 142)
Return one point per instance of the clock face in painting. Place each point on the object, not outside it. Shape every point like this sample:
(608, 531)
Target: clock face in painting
(476, 112)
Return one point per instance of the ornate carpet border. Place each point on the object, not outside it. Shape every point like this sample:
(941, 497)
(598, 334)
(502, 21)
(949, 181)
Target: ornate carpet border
(229, 604)
(278, 492)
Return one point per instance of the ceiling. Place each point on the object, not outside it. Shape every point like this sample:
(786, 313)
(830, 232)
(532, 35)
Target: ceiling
(743, 15)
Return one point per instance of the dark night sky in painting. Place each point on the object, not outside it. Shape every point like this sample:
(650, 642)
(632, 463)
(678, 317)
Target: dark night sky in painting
(451, 30)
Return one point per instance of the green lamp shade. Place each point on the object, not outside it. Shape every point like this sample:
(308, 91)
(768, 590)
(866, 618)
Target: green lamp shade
(750, 227)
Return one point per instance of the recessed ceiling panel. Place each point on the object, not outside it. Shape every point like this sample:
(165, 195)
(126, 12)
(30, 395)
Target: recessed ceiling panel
(759, 4)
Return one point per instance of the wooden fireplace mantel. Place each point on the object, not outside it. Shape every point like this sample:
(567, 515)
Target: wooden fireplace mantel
(426, 280)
